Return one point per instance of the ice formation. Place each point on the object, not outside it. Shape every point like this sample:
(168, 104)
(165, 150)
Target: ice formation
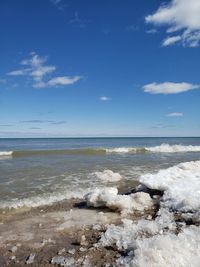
(181, 186)
(154, 242)
(108, 176)
(109, 197)
(125, 236)
(163, 241)
(167, 250)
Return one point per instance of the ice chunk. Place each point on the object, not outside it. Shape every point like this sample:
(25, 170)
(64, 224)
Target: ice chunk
(181, 184)
(125, 236)
(109, 197)
(167, 250)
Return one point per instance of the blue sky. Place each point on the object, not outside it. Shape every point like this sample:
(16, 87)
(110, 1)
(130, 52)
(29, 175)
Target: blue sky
(99, 68)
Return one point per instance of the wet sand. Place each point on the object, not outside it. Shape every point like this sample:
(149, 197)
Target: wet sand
(67, 228)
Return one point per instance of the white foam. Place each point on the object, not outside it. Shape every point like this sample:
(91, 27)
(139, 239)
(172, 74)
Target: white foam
(40, 200)
(109, 197)
(181, 185)
(6, 153)
(121, 150)
(163, 148)
(166, 148)
(108, 176)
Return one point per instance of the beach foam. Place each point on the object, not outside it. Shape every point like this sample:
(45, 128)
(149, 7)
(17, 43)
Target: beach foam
(123, 150)
(40, 200)
(180, 183)
(109, 197)
(166, 148)
(163, 148)
(6, 153)
(108, 176)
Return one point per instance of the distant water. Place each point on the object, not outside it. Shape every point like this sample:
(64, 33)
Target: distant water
(41, 171)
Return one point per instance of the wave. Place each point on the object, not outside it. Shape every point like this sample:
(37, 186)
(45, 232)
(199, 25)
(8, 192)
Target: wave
(25, 153)
(166, 148)
(122, 150)
(163, 148)
(42, 200)
(5, 153)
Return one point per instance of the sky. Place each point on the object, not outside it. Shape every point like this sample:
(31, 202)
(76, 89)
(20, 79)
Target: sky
(71, 68)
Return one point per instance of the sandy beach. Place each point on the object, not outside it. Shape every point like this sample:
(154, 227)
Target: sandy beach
(66, 229)
(73, 233)
(130, 206)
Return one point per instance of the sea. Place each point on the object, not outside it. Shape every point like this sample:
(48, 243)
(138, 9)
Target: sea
(39, 171)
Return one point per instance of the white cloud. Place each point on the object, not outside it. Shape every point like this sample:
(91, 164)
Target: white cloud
(63, 80)
(20, 72)
(36, 68)
(179, 16)
(169, 88)
(41, 71)
(104, 98)
(175, 114)
(34, 61)
(171, 40)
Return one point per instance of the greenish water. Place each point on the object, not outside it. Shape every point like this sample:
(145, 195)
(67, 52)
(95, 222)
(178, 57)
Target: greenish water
(39, 171)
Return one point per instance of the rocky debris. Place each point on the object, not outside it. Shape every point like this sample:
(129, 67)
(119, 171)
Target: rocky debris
(83, 241)
(13, 258)
(47, 241)
(72, 251)
(13, 249)
(82, 249)
(30, 258)
(63, 261)
(61, 251)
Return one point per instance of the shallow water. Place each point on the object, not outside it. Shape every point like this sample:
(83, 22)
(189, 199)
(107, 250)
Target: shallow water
(39, 171)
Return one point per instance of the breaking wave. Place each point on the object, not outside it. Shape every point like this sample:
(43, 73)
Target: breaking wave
(166, 148)
(41, 200)
(163, 148)
(6, 153)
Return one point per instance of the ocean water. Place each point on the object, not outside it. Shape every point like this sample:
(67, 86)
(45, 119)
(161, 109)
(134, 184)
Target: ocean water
(41, 171)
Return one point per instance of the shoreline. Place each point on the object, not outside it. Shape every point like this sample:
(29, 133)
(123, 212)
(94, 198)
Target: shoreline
(109, 227)
(66, 228)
